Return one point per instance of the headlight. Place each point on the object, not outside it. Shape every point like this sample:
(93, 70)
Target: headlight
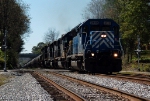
(103, 36)
(115, 55)
(92, 54)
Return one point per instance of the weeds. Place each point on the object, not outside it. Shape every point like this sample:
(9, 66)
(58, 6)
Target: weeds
(3, 79)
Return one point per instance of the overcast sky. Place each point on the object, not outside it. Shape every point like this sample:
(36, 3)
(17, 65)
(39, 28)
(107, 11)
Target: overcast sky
(58, 14)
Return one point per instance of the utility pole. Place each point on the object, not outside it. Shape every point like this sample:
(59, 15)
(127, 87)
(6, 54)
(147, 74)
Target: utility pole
(5, 46)
(138, 51)
(5, 15)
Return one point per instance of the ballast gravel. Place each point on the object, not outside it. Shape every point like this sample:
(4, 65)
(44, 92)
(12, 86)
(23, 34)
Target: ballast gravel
(23, 88)
(141, 90)
(86, 92)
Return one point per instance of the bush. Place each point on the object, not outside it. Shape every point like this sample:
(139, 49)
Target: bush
(146, 68)
(145, 52)
(145, 61)
(1, 63)
(2, 60)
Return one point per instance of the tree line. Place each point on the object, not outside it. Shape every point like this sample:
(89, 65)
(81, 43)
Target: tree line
(14, 27)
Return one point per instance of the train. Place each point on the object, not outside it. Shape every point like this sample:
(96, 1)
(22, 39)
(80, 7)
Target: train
(93, 46)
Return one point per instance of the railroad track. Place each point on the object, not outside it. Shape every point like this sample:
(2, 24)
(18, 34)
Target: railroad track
(77, 97)
(142, 79)
(66, 96)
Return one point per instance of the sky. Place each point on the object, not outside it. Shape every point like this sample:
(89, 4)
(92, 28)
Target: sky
(60, 15)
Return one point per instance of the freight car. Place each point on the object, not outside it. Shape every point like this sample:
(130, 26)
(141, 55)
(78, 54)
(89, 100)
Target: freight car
(92, 46)
(35, 62)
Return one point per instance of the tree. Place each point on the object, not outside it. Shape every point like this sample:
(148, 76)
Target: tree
(94, 10)
(51, 36)
(112, 9)
(135, 15)
(103, 9)
(14, 26)
(37, 49)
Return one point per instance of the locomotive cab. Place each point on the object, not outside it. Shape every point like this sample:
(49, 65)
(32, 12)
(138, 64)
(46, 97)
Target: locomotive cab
(103, 51)
(96, 47)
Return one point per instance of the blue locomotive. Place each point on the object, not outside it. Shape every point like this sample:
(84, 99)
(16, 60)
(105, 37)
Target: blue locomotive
(92, 46)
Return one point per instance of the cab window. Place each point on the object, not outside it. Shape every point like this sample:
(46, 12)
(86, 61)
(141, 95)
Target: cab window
(95, 28)
(85, 29)
(106, 28)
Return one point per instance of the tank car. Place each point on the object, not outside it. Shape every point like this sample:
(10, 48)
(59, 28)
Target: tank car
(34, 63)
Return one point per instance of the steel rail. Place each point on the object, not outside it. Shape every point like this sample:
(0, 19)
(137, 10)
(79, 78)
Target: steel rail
(131, 97)
(130, 78)
(66, 91)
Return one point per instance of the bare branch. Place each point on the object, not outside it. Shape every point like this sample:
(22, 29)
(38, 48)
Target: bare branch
(94, 10)
(51, 35)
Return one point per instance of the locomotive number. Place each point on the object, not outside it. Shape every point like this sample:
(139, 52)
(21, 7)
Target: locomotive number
(107, 23)
(94, 22)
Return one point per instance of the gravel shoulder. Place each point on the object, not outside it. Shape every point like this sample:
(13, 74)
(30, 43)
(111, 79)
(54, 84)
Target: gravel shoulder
(141, 90)
(23, 88)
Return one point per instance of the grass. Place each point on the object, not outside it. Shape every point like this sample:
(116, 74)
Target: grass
(143, 66)
(3, 79)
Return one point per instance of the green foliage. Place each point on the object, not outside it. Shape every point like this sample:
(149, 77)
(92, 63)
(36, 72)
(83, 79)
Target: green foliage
(145, 52)
(145, 61)
(12, 58)
(37, 49)
(134, 15)
(1, 63)
(146, 68)
(14, 24)
(1, 57)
